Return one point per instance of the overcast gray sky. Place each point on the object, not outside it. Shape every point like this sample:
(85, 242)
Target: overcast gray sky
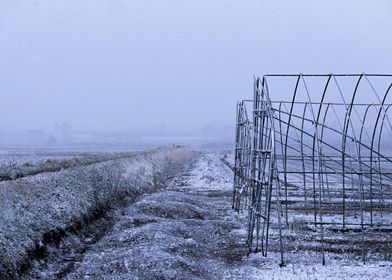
(125, 64)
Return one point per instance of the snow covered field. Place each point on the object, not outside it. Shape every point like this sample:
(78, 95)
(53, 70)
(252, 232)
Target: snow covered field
(37, 211)
(187, 230)
(17, 164)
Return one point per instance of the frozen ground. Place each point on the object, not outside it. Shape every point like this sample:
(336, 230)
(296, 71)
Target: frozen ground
(19, 164)
(189, 231)
(37, 212)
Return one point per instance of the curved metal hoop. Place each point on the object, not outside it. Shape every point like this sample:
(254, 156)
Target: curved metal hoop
(329, 158)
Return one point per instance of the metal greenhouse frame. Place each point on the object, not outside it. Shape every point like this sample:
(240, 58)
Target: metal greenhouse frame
(323, 157)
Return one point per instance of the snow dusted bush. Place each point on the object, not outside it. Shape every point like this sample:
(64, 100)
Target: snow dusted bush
(39, 209)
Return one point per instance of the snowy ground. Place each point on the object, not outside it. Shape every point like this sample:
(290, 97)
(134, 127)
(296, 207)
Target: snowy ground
(189, 231)
(38, 211)
(19, 164)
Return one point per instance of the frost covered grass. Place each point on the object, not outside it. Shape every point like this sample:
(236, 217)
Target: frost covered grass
(19, 165)
(40, 209)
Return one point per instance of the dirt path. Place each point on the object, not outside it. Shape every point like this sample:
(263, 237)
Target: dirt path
(183, 232)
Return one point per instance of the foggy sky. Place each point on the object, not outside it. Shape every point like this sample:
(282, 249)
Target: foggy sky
(129, 64)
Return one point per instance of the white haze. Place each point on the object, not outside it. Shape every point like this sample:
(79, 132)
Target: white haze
(142, 64)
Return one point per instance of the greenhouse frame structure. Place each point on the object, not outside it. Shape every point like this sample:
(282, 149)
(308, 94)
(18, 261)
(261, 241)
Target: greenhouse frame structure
(324, 156)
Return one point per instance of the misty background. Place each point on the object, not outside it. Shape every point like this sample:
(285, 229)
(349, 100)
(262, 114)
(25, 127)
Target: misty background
(120, 71)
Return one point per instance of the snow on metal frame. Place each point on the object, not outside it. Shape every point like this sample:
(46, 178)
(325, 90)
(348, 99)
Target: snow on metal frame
(243, 146)
(325, 152)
